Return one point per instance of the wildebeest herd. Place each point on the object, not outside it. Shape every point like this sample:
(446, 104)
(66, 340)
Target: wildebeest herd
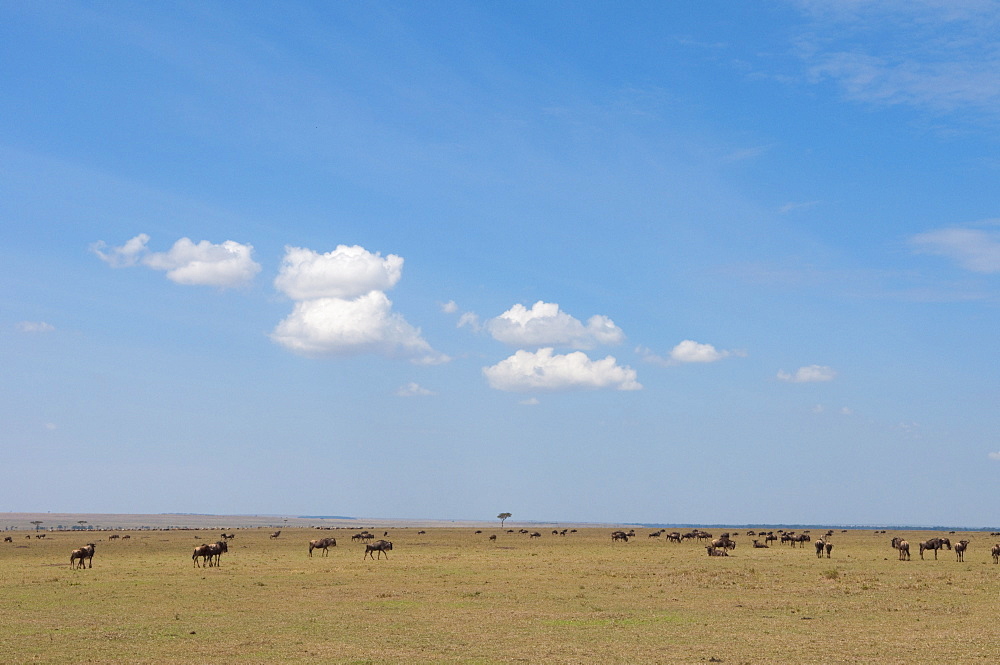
(210, 554)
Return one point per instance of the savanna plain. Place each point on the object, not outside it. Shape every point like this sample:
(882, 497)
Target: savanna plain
(451, 595)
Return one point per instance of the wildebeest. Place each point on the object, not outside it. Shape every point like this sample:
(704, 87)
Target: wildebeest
(322, 544)
(724, 542)
(759, 545)
(903, 547)
(113, 536)
(829, 548)
(619, 535)
(228, 536)
(85, 552)
(215, 550)
(996, 553)
(493, 537)
(960, 548)
(716, 551)
(8, 539)
(535, 534)
(932, 544)
(275, 535)
(379, 546)
(820, 544)
(200, 551)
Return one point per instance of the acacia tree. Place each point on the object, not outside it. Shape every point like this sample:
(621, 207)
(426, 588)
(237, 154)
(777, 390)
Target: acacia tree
(503, 517)
(37, 524)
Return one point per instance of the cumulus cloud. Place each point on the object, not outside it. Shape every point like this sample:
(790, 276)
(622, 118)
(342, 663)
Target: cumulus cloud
(346, 272)
(994, 456)
(977, 250)
(35, 327)
(413, 390)
(688, 351)
(449, 307)
(342, 327)
(342, 309)
(809, 374)
(204, 263)
(546, 325)
(543, 370)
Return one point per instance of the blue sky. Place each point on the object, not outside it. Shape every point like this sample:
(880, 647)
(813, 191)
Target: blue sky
(675, 262)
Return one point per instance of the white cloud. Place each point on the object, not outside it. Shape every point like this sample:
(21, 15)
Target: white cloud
(449, 307)
(413, 390)
(342, 327)
(846, 411)
(206, 264)
(546, 325)
(203, 264)
(470, 319)
(531, 401)
(51, 427)
(995, 456)
(977, 250)
(124, 256)
(809, 374)
(688, 351)
(346, 272)
(35, 327)
(527, 371)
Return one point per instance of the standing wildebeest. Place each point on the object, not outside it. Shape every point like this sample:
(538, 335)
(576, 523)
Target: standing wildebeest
(996, 553)
(619, 535)
(932, 544)
(820, 544)
(322, 544)
(493, 537)
(379, 546)
(960, 548)
(85, 552)
(215, 551)
(724, 542)
(200, 551)
(275, 535)
(8, 539)
(903, 547)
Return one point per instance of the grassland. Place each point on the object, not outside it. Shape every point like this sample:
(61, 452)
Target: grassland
(451, 596)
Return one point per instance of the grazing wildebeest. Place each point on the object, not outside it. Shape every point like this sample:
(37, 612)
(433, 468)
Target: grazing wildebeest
(829, 548)
(996, 553)
(126, 537)
(8, 539)
(820, 544)
(85, 552)
(379, 546)
(535, 534)
(322, 544)
(960, 548)
(932, 544)
(903, 547)
(228, 536)
(716, 551)
(493, 537)
(275, 535)
(113, 536)
(619, 535)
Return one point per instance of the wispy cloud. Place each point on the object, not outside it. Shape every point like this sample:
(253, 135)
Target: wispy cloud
(808, 374)
(413, 389)
(35, 327)
(976, 250)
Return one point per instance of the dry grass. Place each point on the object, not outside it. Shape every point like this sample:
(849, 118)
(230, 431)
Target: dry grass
(451, 596)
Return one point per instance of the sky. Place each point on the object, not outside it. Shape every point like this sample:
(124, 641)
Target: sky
(688, 262)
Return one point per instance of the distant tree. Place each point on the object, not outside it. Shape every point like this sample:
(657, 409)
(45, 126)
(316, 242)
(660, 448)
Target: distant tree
(503, 518)
(37, 523)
